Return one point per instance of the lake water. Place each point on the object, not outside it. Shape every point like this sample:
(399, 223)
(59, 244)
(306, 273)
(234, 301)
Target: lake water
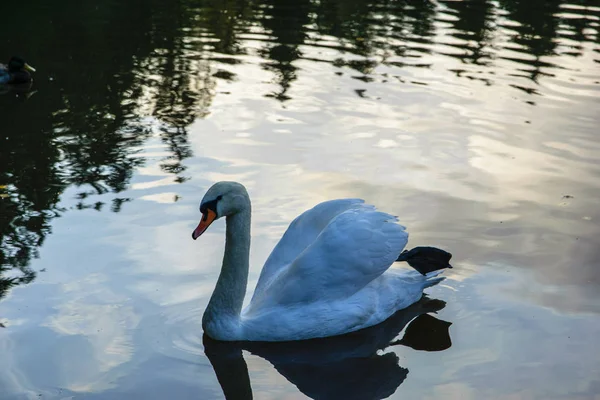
(477, 122)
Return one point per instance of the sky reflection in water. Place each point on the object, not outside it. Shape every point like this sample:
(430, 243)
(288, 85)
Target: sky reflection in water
(475, 122)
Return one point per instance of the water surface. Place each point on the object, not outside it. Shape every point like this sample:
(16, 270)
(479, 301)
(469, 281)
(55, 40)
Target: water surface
(474, 121)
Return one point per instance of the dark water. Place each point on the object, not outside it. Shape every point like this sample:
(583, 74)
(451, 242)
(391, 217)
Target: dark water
(476, 122)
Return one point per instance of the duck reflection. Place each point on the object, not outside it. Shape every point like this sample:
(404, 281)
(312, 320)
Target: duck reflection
(23, 91)
(351, 366)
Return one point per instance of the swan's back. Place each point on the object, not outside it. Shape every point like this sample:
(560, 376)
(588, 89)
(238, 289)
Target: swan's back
(301, 233)
(328, 258)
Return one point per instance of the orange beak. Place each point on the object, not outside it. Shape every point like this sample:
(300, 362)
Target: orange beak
(205, 222)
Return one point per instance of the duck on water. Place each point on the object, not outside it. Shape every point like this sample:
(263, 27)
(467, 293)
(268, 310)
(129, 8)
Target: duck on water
(17, 71)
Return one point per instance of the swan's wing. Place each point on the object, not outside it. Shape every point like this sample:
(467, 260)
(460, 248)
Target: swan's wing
(301, 233)
(357, 246)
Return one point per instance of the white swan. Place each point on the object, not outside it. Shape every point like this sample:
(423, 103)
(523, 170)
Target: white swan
(327, 276)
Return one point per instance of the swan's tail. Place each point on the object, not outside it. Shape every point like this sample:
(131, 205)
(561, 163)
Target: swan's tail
(426, 259)
(432, 278)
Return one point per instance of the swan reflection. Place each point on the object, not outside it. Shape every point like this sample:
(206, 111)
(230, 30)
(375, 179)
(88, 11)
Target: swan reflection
(351, 366)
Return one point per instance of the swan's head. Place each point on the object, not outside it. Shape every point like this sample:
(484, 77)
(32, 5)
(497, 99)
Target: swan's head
(222, 199)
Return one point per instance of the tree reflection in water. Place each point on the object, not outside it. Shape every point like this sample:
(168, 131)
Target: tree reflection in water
(117, 82)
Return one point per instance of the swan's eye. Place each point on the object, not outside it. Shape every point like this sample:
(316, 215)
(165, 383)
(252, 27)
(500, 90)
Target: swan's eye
(210, 205)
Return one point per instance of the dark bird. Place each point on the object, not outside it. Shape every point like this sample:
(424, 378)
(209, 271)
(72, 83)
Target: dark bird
(17, 71)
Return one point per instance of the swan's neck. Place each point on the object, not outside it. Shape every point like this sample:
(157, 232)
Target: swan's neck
(225, 305)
